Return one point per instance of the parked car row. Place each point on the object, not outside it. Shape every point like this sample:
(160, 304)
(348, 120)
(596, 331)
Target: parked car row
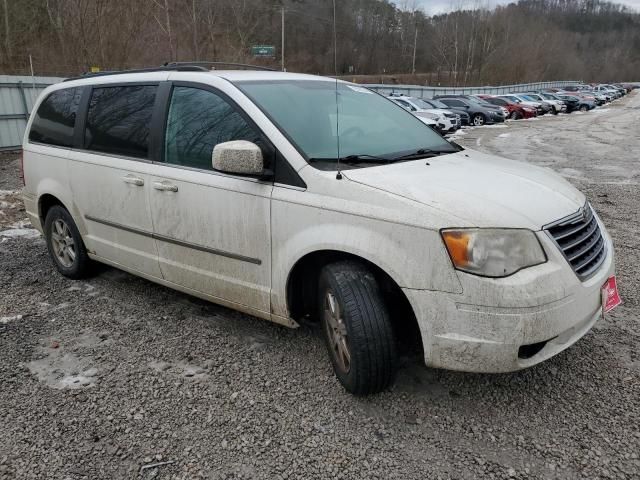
(448, 113)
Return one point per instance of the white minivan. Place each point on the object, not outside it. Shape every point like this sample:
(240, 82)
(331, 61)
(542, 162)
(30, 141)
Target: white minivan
(290, 196)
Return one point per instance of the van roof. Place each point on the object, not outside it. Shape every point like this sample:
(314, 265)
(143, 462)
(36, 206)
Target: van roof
(163, 72)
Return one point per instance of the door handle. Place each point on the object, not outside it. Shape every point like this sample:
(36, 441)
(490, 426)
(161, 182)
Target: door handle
(165, 186)
(133, 180)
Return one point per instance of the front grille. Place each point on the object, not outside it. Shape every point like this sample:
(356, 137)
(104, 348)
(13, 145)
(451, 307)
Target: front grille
(580, 241)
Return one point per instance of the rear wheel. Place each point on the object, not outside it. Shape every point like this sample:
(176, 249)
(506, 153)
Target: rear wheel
(357, 328)
(65, 244)
(478, 120)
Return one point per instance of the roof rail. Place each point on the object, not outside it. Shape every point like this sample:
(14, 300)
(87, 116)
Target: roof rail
(172, 66)
(213, 65)
(180, 68)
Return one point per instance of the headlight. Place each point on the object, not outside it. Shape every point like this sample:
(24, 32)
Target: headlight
(493, 252)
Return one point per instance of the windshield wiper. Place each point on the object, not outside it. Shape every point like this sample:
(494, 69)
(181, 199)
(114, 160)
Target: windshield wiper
(359, 158)
(423, 153)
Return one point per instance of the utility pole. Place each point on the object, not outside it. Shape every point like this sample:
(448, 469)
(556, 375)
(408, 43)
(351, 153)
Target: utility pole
(415, 45)
(282, 42)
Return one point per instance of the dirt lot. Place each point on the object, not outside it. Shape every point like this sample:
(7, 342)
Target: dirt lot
(100, 378)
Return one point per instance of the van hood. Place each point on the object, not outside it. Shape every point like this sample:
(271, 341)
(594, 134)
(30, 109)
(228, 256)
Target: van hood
(475, 189)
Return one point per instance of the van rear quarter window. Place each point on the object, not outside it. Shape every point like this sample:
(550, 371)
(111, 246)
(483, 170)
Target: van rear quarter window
(55, 119)
(119, 118)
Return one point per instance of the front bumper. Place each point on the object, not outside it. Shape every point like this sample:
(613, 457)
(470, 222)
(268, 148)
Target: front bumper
(503, 325)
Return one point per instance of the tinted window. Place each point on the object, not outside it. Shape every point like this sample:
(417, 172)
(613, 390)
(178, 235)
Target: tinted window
(198, 121)
(56, 117)
(405, 104)
(452, 103)
(118, 120)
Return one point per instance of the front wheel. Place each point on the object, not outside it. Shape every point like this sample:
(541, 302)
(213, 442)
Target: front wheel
(584, 108)
(478, 120)
(515, 115)
(65, 244)
(357, 328)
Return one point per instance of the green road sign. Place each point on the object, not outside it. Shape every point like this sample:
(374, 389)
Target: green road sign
(263, 51)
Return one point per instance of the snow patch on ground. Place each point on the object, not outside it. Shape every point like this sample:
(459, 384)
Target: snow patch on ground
(20, 229)
(5, 320)
(63, 371)
(459, 133)
(6, 193)
(59, 368)
(504, 135)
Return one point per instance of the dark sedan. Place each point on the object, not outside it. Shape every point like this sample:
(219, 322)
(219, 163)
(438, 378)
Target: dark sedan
(575, 103)
(464, 115)
(478, 114)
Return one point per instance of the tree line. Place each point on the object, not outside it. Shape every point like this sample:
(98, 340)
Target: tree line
(531, 40)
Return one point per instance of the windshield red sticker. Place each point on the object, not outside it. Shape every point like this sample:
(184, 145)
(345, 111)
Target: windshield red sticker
(610, 296)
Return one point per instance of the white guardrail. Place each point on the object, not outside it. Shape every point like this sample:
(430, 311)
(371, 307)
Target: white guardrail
(430, 92)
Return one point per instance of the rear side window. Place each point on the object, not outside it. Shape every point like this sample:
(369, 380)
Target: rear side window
(405, 105)
(199, 120)
(55, 119)
(119, 120)
(453, 103)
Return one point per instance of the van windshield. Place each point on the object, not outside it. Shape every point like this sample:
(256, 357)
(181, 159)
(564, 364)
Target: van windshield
(369, 125)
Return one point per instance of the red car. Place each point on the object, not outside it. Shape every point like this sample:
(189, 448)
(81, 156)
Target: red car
(516, 111)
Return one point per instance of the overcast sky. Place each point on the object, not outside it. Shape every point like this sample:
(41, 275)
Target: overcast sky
(439, 6)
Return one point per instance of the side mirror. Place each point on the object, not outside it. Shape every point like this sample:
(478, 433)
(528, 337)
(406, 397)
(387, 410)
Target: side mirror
(238, 157)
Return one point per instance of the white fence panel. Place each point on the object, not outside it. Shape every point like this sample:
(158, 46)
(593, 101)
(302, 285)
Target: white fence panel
(17, 96)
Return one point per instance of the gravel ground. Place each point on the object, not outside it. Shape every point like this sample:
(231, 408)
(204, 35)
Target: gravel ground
(101, 378)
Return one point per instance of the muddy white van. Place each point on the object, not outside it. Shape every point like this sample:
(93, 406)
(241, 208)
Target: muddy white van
(252, 190)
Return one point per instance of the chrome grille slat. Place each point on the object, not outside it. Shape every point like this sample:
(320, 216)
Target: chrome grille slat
(592, 243)
(592, 227)
(580, 240)
(582, 225)
(595, 266)
(590, 258)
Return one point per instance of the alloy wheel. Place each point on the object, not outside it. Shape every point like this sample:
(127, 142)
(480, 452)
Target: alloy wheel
(64, 247)
(337, 332)
(478, 120)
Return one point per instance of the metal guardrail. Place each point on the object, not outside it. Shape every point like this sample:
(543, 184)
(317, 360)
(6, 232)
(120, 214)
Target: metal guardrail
(430, 92)
(17, 97)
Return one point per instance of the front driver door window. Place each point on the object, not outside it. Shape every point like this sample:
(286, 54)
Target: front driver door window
(199, 120)
(212, 230)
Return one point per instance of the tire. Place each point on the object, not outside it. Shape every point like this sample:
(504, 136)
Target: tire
(584, 108)
(515, 115)
(355, 319)
(554, 110)
(478, 120)
(65, 244)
